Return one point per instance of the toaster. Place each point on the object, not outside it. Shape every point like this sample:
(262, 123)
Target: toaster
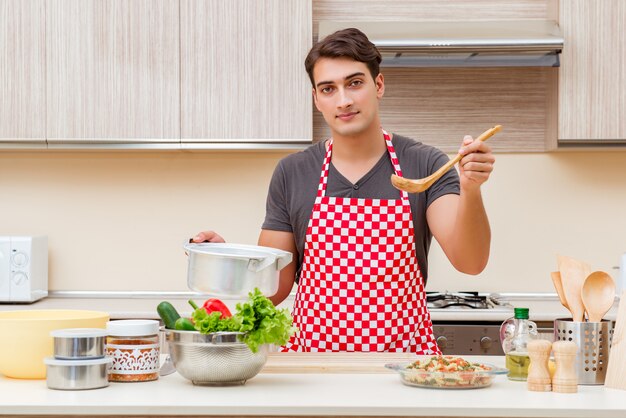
(23, 268)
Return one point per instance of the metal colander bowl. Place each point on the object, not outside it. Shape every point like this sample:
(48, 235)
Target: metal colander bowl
(214, 359)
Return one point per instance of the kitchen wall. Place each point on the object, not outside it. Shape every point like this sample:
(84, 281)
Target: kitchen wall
(117, 221)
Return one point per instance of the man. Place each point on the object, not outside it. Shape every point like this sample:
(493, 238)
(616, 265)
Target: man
(360, 245)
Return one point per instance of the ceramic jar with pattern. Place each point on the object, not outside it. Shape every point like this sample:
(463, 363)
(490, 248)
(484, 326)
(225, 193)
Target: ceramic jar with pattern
(135, 349)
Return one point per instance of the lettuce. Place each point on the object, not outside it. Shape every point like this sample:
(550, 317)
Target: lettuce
(258, 318)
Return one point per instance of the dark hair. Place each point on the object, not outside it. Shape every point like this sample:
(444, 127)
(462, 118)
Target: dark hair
(345, 43)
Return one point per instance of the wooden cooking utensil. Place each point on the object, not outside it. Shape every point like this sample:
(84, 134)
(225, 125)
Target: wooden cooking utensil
(598, 295)
(572, 278)
(616, 370)
(558, 285)
(336, 363)
(421, 185)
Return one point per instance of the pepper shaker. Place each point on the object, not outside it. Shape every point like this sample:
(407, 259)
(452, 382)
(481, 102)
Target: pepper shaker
(565, 379)
(538, 372)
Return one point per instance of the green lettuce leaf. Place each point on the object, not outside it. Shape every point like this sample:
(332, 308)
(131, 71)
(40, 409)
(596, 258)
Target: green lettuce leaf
(258, 318)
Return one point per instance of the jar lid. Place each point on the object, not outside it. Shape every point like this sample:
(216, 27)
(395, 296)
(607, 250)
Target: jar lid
(51, 361)
(79, 333)
(521, 313)
(133, 327)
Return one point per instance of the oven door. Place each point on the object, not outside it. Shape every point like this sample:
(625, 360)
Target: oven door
(479, 338)
(468, 338)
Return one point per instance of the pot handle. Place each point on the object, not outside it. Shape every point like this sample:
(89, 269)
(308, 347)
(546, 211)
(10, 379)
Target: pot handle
(281, 259)
(259, 263)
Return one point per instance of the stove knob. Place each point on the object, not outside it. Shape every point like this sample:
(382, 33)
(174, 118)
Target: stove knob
(442, 342)
(485, 343)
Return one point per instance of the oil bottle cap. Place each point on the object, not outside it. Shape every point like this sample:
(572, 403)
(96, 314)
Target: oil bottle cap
(521, 313)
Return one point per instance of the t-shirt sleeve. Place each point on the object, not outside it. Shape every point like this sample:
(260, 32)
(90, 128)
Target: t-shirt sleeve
(276, 213)
(447, 184)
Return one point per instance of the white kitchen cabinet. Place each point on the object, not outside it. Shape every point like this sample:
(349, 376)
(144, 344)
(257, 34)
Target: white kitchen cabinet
(112, 71)
(592, 79)
(242, 71)
(22, 72)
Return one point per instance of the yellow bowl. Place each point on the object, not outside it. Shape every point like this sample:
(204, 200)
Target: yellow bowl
(25, 337)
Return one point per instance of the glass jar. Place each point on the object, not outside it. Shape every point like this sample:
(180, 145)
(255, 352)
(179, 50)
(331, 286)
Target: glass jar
(516, 333)
(135, 349)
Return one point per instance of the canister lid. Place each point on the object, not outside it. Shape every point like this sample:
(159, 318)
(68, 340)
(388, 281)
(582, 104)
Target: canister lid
(79, 333)
(521, 313)
(51, 361)
(133, 327)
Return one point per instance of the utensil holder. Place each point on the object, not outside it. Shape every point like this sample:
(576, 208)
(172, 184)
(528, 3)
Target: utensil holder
(594, 343)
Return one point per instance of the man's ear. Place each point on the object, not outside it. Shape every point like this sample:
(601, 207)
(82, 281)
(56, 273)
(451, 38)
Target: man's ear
(315, 99)
(380, 85)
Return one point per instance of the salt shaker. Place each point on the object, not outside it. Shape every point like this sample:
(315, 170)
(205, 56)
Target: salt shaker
(565, 379)
(538, 372)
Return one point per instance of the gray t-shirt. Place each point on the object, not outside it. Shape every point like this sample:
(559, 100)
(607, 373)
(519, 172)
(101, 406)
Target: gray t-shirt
(294, 184)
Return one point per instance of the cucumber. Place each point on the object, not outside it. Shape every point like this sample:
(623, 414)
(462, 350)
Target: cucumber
(184, 324)
(168, 314)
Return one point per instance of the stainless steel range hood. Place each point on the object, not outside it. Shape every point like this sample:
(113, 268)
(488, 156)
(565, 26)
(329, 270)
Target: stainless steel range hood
(524, 43)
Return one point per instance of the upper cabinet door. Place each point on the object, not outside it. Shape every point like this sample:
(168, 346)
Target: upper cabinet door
(22, 71)
(242, 70)
(592, 80)
(113, 70)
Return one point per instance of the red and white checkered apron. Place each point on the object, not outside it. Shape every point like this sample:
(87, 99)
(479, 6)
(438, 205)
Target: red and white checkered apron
(360, 287)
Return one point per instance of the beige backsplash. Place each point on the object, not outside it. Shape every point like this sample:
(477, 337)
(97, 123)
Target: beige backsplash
(117, 221)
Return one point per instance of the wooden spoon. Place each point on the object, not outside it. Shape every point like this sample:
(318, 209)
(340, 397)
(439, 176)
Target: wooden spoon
(572, 278)
(421, 185)
(598, 295)
(558, 285)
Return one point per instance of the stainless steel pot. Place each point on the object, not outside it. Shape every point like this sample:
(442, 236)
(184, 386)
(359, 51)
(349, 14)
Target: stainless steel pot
(223, 269)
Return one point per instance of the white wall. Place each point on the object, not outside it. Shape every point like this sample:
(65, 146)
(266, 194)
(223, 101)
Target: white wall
(117, 221)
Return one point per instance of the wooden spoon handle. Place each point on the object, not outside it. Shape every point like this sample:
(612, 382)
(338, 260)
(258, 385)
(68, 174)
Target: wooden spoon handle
(483, 137)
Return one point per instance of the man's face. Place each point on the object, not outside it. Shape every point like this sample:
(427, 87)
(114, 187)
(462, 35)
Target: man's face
(347, 95)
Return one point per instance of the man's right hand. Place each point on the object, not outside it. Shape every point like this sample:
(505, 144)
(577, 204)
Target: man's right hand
(208, 236)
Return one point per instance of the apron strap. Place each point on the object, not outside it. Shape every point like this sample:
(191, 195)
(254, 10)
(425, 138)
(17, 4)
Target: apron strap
(321, 189)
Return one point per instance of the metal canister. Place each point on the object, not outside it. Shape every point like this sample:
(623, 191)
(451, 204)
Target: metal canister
(594, 343)
(77, 374)
(79, 343)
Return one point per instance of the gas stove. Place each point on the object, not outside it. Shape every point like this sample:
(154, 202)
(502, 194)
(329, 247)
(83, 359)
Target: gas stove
(463, 336)
(464, 300)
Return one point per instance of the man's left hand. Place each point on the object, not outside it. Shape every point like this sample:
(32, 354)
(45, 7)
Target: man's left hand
(476, 164)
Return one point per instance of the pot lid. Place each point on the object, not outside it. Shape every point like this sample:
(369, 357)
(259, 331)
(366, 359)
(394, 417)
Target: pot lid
(241, 251)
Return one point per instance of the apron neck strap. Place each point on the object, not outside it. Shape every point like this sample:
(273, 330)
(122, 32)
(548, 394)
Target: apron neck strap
(321, 190)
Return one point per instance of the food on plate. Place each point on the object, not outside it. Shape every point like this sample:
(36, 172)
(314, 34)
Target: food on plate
(447, 364)
(447, 372)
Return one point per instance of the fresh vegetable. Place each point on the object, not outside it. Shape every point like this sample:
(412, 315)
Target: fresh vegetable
(258, 318)
(184, 324)
(216, 305)
(168, 314)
